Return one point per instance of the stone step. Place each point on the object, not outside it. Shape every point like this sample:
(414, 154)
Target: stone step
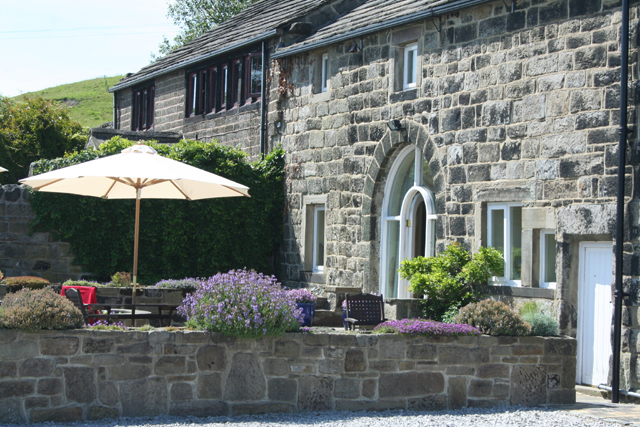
(592, 391)
(321, 303)
(327, 318)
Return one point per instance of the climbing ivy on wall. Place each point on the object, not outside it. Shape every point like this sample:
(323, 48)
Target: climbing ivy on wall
(178, 238)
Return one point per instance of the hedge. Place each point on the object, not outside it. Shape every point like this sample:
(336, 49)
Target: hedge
(178, 238)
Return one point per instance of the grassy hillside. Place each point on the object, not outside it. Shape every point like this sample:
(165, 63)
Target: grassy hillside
(89, 101)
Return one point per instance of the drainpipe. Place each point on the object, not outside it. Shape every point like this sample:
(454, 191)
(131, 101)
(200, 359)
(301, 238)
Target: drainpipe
(622, 147)
(263, 100)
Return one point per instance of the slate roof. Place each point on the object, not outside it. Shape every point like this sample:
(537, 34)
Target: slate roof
(372, 16)
(261, 21)
(253, 24)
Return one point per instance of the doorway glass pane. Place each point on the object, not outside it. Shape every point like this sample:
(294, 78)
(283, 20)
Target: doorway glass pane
(393, 240)
(403, 181)
(549, 258)
(516, 241)
(318, 249)
(497, 230)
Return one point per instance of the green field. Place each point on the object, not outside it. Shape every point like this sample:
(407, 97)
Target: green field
(90, 103)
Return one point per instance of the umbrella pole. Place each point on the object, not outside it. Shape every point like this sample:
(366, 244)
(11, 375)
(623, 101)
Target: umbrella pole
(135, 245)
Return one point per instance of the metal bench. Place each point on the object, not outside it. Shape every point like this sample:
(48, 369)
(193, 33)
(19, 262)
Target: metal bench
(364, 310)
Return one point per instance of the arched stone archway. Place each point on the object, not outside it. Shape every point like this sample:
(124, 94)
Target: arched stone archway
(376, 176)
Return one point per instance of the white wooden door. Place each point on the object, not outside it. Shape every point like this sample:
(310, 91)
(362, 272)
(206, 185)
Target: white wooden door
(595, 308)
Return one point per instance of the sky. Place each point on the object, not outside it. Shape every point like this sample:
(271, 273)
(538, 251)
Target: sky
(46, 43)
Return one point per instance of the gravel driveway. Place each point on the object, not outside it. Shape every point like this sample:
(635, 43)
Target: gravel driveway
(492, 417)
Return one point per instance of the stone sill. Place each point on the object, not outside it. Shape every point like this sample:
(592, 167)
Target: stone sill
(519, 292)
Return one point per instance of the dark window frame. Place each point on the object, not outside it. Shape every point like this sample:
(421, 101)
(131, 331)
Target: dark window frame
(142, 107)
(221, 85)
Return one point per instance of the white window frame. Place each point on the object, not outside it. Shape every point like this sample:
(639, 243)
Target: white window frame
(324, 72)
(505, 207)
(404, 235)
(410, 50)
(314, 256)
(543, 284)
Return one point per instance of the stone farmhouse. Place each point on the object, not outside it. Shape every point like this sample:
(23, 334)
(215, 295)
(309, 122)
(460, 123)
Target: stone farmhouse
(411, 124)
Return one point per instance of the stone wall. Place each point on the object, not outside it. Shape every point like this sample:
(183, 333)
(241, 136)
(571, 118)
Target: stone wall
(23, 253)
(509, 107)
(82, 374)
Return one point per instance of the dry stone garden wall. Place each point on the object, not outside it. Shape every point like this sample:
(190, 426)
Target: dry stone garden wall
(83, 374)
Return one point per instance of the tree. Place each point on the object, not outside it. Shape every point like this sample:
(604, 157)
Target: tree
(33, 129)
(196, 17)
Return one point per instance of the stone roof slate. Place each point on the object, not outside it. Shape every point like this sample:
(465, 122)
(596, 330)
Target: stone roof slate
(260, 20)
(368, 15)
(253, 22)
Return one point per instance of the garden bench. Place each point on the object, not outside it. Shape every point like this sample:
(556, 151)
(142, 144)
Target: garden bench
(364, 310)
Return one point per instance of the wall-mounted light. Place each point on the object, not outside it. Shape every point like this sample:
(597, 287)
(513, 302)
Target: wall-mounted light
(395, 124)
(354, 48)
(280, 46)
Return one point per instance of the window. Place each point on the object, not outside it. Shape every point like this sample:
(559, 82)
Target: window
(254, 75)
(324, 73)
(224, 85)
(504, 233)
(410, 72)
(318, 238)
(408, 219)
(142, 108)
(212, 103)
(547, 259)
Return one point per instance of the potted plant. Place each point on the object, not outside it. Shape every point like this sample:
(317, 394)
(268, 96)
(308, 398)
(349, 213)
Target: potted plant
(307, 302)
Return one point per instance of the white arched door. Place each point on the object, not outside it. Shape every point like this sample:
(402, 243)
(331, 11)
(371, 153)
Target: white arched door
(408, 219)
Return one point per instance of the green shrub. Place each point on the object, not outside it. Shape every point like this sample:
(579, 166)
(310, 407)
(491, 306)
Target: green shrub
(32, 310)
(82, 283)
(449, 280)
(542, 322)
(188, 284)
(121, 279)
(29, 282)
(177, 238)
(493, 318)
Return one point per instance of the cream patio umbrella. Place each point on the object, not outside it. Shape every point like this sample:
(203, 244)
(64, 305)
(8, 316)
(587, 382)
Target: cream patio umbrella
(138, 172)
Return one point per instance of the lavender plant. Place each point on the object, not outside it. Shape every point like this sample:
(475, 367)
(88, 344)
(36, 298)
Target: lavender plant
(302, 296)
(241, 303)
(188, 284)
(428, 328)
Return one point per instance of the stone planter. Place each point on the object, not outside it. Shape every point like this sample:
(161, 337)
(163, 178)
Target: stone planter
(308, 311)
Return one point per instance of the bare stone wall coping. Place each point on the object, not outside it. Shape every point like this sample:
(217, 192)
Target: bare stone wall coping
(84, 375)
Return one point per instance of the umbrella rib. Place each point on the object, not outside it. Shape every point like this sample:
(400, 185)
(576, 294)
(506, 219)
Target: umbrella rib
(181, 192)
(104, 196)
(48, 183)
(233, 189)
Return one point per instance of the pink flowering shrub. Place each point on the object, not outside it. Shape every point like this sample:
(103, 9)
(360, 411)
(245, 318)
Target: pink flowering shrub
(424, 327)
(302, 296)
(242, 304)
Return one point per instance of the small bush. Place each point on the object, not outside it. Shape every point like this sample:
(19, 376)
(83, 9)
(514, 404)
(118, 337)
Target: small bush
(121, 280)
(243, 304)
(82, 283)
(424, 327)
(32, 310)
(542, 323)
(104, 325)
(493, 318)
(302, 296)
(188, 284)
(451, 278)
(28, 282)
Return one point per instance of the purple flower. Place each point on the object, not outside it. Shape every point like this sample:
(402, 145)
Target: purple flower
(302, 296)
(425, 327)
(241, 303)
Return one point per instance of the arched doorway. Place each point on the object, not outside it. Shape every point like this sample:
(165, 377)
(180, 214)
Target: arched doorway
(408, 219)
